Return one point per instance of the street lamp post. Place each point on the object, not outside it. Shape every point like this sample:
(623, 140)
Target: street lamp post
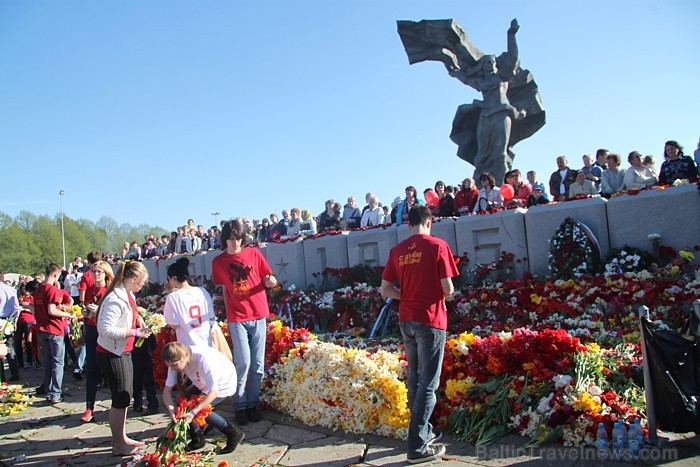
(216, 213)
(63, 233)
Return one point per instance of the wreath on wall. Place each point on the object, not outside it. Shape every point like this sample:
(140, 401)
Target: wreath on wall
(573, 251)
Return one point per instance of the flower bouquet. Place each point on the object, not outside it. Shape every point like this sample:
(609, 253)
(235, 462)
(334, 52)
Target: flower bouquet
(75, 324)
(6, 329)
(171, 446)
(153, 321)
(12, 401)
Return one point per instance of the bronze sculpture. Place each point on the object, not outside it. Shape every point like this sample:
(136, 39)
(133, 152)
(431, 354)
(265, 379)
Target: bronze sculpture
(511, 110)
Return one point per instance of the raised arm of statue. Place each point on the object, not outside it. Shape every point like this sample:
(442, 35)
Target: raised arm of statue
(509, 62)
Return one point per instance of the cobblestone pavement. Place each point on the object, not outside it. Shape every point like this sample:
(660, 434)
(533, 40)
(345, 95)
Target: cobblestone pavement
(54, 435)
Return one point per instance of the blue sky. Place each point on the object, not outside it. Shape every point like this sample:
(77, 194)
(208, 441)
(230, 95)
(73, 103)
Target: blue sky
(155, 112)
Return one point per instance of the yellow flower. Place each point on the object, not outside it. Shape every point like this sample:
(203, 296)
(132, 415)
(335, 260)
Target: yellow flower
(686, 256)
(586, 403)
(536, 299)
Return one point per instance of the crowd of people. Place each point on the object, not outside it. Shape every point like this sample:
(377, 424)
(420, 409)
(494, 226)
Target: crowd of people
(110, 350)
(116, 346)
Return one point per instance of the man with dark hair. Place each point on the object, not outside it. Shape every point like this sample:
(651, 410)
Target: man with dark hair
(50, 326)
(244, 275)
(601, 159)
(424, 267)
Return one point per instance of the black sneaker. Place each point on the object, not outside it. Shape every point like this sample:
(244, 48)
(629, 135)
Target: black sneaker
(78, 375)
(241, 417)
(137, 409)
(150, 411)
(40, 391)
(253, 415)
(431, 453)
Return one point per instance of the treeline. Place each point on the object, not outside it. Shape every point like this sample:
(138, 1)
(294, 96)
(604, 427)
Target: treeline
(29, 242)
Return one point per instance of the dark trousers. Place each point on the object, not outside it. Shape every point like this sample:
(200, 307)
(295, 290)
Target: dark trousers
(22, 337)
(143, 379)
(94, 371)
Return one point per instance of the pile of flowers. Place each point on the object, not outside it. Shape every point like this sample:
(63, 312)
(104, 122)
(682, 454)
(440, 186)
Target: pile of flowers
(341, 388)
(280, 340)
(548, 358)
(172, 444)
(12, 401)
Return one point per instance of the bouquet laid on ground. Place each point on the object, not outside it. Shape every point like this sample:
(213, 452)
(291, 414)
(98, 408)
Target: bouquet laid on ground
(171, 446)
(12, 401)
(153, 321)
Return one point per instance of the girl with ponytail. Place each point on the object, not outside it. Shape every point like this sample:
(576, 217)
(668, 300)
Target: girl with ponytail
(117, 319)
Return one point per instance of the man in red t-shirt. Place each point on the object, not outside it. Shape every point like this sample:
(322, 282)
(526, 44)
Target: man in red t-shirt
(87, 282)
(50, 326)
(244, 275)
(424, 267)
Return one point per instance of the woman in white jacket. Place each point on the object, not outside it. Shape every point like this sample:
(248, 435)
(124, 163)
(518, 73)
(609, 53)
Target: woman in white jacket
(118, 326)
(489, 195)
(374, 215)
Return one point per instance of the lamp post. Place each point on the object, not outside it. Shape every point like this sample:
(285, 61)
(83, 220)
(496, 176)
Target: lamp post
(216, 219)
(63, 234)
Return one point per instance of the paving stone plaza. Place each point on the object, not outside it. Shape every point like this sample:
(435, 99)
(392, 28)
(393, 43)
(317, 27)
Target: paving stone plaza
(54, 435)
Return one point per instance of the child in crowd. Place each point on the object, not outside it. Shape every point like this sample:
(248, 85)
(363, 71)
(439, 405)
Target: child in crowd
(142, 359)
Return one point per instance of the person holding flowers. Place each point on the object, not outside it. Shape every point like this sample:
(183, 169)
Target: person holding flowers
(213, 375)
(117, 318)
(244, 275)
(189, 310)
(101, 276)
(50, 331)
(424, 267)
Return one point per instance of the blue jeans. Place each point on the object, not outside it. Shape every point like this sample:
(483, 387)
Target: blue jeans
(213, 419)
(54, 350)
(94, 372)
(425, 347)
(248, 340)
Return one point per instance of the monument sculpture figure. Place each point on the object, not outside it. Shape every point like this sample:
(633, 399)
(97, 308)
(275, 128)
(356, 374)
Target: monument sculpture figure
(485, 131)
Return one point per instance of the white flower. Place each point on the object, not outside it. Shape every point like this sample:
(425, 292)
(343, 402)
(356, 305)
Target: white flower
(561, 380)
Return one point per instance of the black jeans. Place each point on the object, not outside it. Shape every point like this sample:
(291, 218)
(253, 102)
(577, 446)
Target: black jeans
(22, 337)
(143, 378)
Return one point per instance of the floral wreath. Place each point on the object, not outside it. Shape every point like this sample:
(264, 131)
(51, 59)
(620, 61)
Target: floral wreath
(573, 251)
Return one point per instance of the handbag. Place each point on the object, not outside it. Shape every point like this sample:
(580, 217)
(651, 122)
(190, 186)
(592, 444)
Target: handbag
(219, 342)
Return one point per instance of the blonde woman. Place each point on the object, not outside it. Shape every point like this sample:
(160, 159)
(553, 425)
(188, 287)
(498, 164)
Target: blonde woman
(211, 374)
(117, 318)
(103, 276)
